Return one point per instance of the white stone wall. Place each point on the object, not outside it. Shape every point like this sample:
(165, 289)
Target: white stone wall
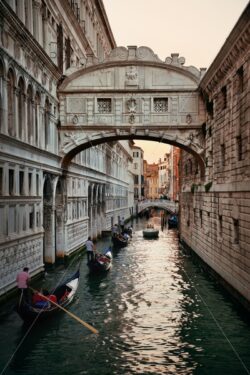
(36, 199)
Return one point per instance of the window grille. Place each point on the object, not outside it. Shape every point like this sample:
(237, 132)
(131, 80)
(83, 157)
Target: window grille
(160, 105)
(104, 105)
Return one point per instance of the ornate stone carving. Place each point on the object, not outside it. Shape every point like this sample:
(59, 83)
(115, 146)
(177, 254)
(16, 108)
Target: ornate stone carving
(132, 118)
(119, 53)
(188, 119)
(175, 60)
(131, 104)
(70, 138)
(75, 119)
(131, 76)
(146, 53)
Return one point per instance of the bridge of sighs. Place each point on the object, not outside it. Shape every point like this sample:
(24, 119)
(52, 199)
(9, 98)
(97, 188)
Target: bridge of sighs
(132, 94)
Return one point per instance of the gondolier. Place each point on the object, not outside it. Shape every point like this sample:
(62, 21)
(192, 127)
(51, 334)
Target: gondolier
(90, 247)
(22, 280)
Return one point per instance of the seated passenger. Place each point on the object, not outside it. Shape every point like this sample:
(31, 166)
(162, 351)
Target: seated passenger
(52, 298)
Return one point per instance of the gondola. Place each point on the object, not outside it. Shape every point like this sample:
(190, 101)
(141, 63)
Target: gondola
(119, 241)
(173, 221)
(63, 295)
(150, 233)
(102, 262)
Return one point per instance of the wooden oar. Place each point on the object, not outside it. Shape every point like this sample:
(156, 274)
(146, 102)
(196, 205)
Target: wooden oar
(68, 312)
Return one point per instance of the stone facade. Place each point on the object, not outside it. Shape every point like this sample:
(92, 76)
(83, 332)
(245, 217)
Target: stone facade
(215, 210)
(46, 212)
(138, 172)
(164, 173)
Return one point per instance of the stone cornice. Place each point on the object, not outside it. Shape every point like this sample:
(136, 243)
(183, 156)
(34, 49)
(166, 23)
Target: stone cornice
(235, 45)
(26, 39)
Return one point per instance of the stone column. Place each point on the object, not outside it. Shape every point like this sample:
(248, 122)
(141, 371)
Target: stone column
(30, 15)
(15, 112)
(49, 238)
(45, 33)
(33, 130)
(36, 20)
(4, 125)
(5, 186)
(24, 124)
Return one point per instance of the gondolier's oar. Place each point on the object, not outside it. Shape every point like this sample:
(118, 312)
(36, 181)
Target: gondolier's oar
(68, 312)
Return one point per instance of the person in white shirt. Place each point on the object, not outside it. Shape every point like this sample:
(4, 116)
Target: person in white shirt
(90, 250)
(122, 222)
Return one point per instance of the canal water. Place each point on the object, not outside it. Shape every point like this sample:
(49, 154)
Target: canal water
(157, 312)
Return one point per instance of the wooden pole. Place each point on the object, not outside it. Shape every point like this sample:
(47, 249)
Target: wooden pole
(92, 329)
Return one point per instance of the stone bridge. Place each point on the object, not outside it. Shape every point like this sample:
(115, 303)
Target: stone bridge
(170, 206)
(132, 94)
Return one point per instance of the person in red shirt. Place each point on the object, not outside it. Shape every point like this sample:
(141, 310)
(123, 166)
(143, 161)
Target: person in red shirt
(23, 279)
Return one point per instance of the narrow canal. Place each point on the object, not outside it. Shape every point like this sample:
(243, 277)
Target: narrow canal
(156, 311)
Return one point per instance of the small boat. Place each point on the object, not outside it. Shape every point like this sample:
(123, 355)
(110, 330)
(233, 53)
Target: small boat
(102, 262)
(150, 232)
(63, 295)
(173, 221)
(119, 241)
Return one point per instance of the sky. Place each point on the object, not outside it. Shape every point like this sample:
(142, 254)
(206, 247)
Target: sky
(196, 29)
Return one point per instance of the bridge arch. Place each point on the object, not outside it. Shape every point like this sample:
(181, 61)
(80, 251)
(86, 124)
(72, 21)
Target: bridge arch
(132, 94)
(169, 206)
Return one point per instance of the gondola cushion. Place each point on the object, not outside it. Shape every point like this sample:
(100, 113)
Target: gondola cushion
(42, 304)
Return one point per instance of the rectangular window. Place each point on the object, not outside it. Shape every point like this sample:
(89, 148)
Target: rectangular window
(239, 147)
(220, 225)
(201, 217)
(224, 97)
(11, 181)
(30, 183)
(240, 80)
(31, 217)
(236, 231)
(223, 154)
(210, 109)
(160, 105)
(21, 182)
(37, 184)
(104, 105)
(136, 179)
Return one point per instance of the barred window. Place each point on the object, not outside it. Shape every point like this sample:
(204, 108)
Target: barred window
(104, 105)
(160, 105)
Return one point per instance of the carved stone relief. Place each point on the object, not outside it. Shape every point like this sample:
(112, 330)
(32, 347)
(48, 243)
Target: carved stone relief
(131, 76)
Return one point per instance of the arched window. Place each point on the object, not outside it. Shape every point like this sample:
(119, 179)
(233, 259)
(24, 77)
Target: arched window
(30, 113)
(46, 121)
(11, 102)
(20, 108)
(37, 106)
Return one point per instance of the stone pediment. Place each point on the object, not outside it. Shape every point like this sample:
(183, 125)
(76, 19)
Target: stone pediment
(134, 68)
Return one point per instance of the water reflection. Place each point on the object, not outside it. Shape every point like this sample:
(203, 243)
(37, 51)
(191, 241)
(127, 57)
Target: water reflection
(150, 312)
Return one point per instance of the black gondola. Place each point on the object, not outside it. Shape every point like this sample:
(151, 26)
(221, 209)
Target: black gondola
(119, 241)
(102, 262)
(63, 296)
